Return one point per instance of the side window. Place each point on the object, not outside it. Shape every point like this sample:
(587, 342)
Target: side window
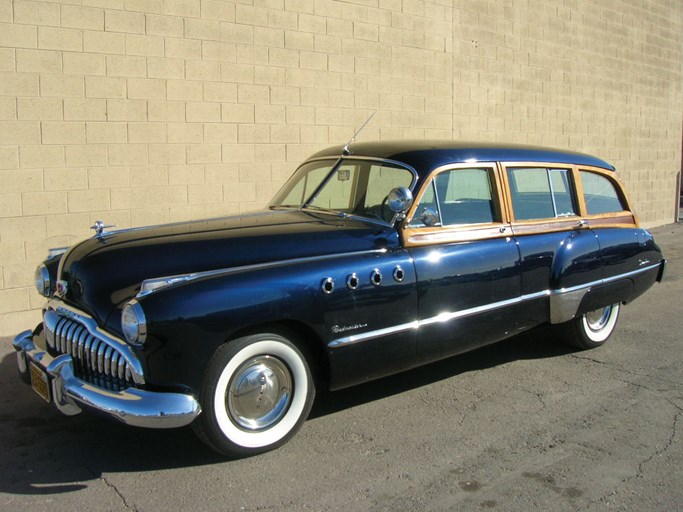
(458, 196)
(600, 194)
(427, 212)
(539, 193)
(562, 192)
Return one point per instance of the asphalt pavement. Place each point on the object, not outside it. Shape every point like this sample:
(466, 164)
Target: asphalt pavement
(526, 424)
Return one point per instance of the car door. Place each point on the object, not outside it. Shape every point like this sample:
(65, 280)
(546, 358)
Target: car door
(558, 250)
(466, 261)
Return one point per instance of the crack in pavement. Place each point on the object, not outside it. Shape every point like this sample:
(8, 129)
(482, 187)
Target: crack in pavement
(658, 453)
(101, 477)
(640, 470)
(118, 493)
(628, 371)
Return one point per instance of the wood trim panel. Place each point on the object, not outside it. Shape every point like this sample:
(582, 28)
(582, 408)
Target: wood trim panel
(597, 219)
(613, 220)
(497, 195)
(547, 226)
(450, 234)
(417, 236)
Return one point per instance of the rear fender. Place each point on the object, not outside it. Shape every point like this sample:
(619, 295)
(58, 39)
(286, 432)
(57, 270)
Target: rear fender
(576, 263)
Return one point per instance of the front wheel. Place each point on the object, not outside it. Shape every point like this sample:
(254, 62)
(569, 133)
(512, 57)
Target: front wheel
(591, 329)
(257, 392)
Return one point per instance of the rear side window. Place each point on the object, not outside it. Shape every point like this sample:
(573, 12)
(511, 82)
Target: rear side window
(600, 194)
(540, 193)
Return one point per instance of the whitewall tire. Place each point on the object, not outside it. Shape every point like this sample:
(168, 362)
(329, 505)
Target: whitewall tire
(257, 392)
(592, 329)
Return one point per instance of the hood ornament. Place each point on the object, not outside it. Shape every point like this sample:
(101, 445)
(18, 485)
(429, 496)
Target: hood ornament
(99, 228)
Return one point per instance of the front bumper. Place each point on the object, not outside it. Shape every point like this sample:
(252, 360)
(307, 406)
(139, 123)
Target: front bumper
(131, 406)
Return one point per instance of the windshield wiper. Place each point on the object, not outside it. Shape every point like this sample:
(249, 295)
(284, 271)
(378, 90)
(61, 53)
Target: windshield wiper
(321, 209)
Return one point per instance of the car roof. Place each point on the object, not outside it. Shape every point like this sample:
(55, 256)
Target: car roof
(425, 155)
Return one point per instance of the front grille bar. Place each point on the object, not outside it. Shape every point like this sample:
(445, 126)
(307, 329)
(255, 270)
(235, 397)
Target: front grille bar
(95, 360)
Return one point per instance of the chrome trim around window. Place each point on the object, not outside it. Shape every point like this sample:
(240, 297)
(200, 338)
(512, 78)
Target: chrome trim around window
(335, 166)
(564, 303)
(367, 159)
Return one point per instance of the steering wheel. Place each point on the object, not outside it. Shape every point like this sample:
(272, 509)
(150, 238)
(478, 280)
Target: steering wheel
(383, 206)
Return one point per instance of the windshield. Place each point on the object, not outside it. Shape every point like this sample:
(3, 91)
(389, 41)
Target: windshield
(353, 187)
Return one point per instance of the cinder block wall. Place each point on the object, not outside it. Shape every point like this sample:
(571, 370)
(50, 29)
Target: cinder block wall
(146, 111)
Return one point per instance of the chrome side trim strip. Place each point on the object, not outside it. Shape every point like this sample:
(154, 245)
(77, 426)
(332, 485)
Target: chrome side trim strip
(443, 317)
(183, 278)
(607, 279)
(564, 303)
(447, 317)
(357, 338)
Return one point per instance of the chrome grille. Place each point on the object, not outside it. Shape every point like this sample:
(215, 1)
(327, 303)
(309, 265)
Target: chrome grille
(95, 361)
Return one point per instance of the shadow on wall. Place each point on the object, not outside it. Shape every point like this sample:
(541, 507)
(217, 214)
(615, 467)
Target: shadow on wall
(47, 453)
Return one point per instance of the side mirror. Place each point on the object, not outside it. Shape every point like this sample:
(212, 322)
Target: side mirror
(429, 216)
(400, 199)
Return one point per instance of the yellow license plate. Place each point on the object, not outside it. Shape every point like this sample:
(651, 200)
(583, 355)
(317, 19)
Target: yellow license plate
(40, 382)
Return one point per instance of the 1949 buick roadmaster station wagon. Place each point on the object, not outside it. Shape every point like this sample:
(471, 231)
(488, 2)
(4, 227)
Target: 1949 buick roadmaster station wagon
(369, 261)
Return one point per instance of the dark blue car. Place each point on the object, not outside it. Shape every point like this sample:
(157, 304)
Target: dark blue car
(368, 262)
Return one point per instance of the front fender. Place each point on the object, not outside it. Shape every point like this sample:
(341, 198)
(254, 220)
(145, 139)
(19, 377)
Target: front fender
(188, 321)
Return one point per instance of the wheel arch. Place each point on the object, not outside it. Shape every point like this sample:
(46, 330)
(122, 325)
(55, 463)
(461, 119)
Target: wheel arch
(303, 336)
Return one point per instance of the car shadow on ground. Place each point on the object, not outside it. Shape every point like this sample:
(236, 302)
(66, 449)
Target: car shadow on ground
(537, 344)
(48, 453)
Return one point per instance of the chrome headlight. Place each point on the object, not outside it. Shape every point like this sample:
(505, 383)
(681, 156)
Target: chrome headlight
(133, 323)
(42, 279)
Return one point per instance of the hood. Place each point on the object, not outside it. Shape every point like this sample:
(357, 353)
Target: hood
(102, 273)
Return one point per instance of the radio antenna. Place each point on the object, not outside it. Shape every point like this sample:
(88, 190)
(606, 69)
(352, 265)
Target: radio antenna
(346, 149)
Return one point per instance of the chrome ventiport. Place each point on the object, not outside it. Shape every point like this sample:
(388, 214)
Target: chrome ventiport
(376, 277)
(327, 285)
(399, 274)
(352, 281)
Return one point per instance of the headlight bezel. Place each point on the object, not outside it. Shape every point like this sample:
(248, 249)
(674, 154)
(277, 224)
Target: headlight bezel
(42, 280)
(134, 323)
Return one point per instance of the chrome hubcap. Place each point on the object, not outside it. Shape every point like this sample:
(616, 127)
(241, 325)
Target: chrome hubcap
(597, 320)
(259, 393)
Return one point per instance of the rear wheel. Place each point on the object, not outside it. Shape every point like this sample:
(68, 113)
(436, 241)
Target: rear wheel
(257, 392)
(591, 329)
